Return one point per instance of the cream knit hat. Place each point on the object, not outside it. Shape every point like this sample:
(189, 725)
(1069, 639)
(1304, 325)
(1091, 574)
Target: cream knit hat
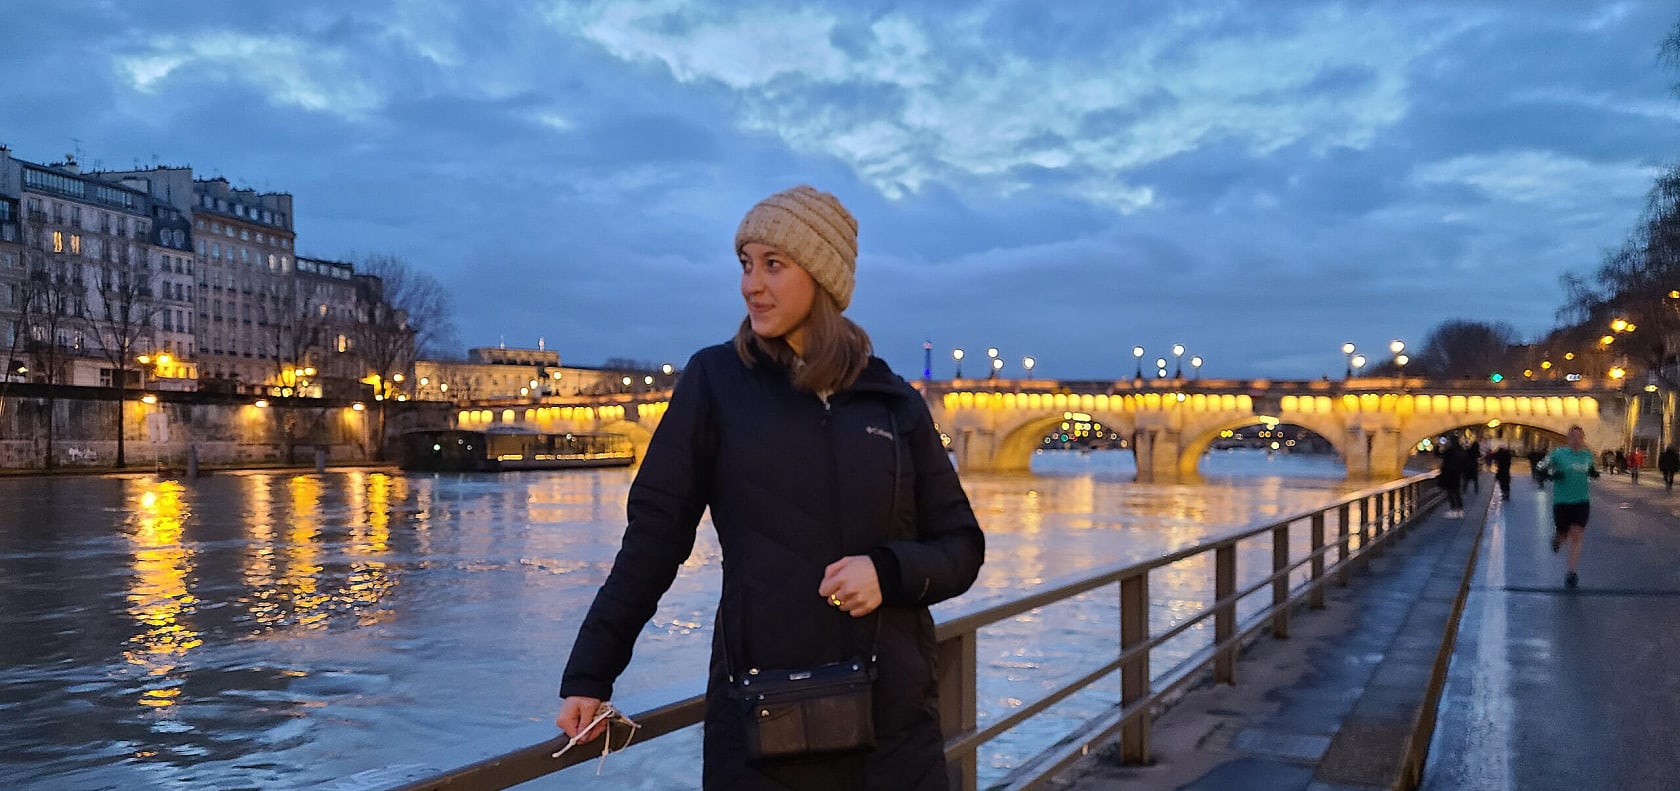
(815, 229)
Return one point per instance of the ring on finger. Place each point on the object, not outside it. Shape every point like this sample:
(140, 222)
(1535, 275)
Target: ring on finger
(834, 599)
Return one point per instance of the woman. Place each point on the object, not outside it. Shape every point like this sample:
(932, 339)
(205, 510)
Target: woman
(838, 511)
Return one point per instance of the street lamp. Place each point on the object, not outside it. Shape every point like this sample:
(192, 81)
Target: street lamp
(1160, 367)
(1347, 349)
(1196, 366)
(957, 355)
(1137, 351)
(1357, 362)
(1178, 361)
(1028, 363)
(1396, 346)
(1401, 360)
(997, 367)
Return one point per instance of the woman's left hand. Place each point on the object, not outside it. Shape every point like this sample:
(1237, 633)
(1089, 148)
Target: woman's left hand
(850, 584)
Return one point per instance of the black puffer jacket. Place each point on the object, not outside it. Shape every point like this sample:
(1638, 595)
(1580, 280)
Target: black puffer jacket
(795, 484)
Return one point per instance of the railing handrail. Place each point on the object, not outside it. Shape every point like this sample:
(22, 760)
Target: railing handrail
(527, 763)
(985, 612)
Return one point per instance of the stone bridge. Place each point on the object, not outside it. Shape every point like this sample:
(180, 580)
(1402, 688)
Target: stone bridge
(1374, 424)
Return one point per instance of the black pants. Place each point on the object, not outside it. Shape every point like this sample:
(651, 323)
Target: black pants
(1668, 480)
(1455, 496)
(1504, 479)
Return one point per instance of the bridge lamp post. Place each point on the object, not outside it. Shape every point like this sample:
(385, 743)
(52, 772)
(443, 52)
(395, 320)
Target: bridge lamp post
(957, 355)
(1137, 351)
(1401, 360)
(1028, 363)
(1358, 362)
(1178, 361)
(997, 367)
(1160, 367)
(1347, 349)
(1196, 366)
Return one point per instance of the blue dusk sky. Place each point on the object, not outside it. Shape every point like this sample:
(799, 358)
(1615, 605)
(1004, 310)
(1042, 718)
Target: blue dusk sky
(1258, 181)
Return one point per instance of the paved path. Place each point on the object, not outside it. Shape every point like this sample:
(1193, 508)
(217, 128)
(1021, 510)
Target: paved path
(1331, 708)
(1558, 689)
(1548, 688)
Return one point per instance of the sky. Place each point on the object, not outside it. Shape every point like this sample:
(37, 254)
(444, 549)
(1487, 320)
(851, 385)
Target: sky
(1260, 182)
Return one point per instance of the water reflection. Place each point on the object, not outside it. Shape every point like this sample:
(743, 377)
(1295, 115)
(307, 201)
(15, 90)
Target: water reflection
(277, 630)
(158, 597)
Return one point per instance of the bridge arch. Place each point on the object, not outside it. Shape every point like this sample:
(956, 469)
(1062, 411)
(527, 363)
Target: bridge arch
(1016, 447)
(1196, 445)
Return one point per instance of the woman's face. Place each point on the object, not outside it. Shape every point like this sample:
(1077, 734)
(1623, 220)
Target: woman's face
(778, 293)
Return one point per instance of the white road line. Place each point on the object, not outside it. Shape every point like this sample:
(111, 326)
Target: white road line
(1489, 742)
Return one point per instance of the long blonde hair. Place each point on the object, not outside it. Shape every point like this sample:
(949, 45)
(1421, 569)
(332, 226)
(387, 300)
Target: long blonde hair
(836, 348)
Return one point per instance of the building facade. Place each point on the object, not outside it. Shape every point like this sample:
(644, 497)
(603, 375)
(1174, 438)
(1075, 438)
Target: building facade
(499, 373)
(87, 301)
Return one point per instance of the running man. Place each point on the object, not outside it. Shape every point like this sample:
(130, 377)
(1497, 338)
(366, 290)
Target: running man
(1569, 468)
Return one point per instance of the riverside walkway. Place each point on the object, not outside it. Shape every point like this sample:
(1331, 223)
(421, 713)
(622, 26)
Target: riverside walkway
(1543, 687)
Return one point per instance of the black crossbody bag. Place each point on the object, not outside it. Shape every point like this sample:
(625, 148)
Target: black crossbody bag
(822, 711)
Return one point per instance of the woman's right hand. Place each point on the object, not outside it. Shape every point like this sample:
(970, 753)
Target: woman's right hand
(576, 712)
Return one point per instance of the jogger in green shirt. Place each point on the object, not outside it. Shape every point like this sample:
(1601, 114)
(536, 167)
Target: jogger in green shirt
(1569, 468)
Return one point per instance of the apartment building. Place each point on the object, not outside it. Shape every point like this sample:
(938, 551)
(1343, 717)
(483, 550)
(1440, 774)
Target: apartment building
(246, 306)
(88, 300)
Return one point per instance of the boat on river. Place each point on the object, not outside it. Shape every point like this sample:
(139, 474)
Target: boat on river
(502, 449)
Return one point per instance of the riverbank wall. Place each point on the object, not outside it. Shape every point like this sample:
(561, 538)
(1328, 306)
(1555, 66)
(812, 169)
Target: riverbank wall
(76, 427)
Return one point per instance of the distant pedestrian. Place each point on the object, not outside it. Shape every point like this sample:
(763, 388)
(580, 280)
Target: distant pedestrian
(1621, 461)
(1536, 465)
(840, 520)
(1569, 468)
(1501, 458)
(1451, 479)
(1668, 463)
(1635, 460)
(1473, 466)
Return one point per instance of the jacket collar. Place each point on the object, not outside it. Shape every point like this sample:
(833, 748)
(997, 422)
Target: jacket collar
(876, 378)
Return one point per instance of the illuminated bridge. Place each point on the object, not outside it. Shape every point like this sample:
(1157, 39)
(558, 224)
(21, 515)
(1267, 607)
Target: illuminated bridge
(1374, 424)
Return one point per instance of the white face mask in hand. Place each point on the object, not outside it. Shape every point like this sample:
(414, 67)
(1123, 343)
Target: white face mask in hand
(609, 714)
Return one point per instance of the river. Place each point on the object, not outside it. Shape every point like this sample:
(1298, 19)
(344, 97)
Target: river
(271, 630)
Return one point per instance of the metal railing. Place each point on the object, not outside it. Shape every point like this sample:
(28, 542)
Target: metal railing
(1381, 511)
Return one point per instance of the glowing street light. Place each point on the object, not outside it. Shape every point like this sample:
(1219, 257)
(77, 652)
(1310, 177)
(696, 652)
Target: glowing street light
(1178, 361)
(1196, 366)
(1347, 349)
(1357, 362)
(1396, 346)
(1137, 351)
(1028, 363)
(997, 367)
(957, 355)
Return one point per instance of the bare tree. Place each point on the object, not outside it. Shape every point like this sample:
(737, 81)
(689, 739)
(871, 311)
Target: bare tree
(403, 313)
(301, 329)
(54, 307)
(1459, 348)
(121, 319)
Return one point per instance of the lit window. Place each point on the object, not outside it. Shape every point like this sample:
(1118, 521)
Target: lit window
(58, 241)
(76, 243)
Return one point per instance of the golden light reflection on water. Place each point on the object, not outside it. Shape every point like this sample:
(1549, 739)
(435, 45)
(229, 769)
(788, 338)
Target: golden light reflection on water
(158, 597)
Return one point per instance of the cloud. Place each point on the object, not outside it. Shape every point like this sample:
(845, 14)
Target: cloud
(945, 98)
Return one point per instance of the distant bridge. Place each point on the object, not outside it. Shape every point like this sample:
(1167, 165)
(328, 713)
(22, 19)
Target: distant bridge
(996, 425)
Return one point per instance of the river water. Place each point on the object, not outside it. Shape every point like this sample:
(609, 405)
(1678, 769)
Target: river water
(268, 630)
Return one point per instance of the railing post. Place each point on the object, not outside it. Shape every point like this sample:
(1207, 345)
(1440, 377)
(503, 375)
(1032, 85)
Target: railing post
(958, 698)
(1280, 586)
(1367, 517)
(1344, 532)
(1225, 615)
(1315, 599)
(1134, 675)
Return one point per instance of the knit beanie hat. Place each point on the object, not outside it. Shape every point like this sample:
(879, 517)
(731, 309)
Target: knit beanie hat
(815, 229)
